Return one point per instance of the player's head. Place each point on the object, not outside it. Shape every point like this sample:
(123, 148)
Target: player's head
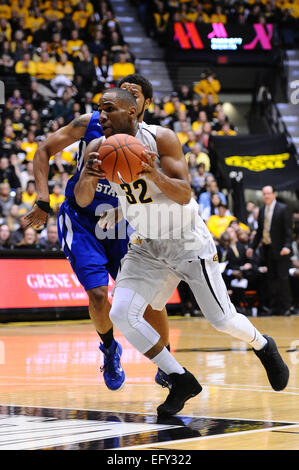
(141, 88)
(118, 112)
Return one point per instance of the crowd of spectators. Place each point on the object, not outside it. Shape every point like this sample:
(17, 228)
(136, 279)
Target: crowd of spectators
(158, 16)
(57, 58)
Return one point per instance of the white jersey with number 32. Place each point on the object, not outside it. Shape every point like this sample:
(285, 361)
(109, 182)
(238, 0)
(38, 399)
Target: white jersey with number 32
(153, 215)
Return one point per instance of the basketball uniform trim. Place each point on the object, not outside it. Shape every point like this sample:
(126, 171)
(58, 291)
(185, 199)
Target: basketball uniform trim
(204, 270)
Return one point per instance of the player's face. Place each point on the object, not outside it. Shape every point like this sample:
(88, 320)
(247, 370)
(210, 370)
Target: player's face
(116, 118)
(142, 103)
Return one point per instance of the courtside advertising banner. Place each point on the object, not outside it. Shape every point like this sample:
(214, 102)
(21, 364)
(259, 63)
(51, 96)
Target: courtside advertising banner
(263, 160)
(42, 283)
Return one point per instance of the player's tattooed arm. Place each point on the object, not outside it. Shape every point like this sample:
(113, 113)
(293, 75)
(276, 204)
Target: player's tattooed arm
(55, 143)
(86, 186)
(81, 121)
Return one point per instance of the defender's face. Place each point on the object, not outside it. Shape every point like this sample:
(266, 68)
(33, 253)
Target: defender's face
(136, 90)
(115, 118)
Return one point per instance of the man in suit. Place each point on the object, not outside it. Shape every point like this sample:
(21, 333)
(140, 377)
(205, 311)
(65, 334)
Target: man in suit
(275, 234)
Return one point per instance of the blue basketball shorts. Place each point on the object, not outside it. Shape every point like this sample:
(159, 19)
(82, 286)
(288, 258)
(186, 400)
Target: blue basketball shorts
(91, 258)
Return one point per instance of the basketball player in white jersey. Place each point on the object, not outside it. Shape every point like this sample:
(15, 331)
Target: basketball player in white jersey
(171, 243)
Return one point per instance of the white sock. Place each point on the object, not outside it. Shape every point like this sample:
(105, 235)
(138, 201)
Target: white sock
(259, 341)
(167, 362)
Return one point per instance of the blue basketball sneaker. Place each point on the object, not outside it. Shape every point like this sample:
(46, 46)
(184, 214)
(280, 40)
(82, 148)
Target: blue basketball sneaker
(163, 379)
(114, 375)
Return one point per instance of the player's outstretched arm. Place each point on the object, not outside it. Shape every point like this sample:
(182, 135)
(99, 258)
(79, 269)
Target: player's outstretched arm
(85, 187)
(60, 139)
(174, 181)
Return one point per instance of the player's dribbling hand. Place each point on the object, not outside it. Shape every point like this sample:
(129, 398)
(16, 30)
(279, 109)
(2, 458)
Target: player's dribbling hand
(36, 218)
(149, 169)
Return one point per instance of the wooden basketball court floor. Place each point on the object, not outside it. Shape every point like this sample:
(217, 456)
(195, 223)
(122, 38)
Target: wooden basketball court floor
(52, 394)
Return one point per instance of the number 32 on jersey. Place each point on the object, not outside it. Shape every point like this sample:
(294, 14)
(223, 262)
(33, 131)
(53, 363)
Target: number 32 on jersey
(142, 197)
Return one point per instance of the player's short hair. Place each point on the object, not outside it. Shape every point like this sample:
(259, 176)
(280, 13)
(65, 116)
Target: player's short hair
(144, 83)
(123, 95)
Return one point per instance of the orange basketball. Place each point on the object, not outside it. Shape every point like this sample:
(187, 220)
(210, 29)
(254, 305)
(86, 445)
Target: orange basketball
(121, 157)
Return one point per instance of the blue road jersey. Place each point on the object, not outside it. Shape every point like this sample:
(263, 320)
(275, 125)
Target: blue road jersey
(92, 252)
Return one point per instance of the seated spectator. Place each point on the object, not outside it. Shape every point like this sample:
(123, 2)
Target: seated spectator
(161, 19)
(226, 130)
(207, 86)
(192, 166)
(201, 156)
(56, 198)
(29, 146)
(177, 124)
(26, 174)
(53, 13)
(5, 235)
(185, 95)
(84, 67)
(45, 69)
(6, 200)
(218, 223)
(197, 126)
(220, 120)
(188, 146)
(34, 20)
(218, 16)
(26, 65)
(252, 215)
(104, 71)
(7, 141)
(63, 107)
(16, 99)
(198, 179)
(205, 198)
(8, 174)
(51, 242)
(122, 68)
(5, 10)
(74, 44)
(29, 241)
(29, 196)
(183, 133)
(97, 45)
(204, 137)
(81, 14)
(223, 246)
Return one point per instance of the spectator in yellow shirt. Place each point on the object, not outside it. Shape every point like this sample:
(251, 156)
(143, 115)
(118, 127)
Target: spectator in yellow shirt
(74, 44)
(217, 224)
(26, 65)
(209, 85)
(198, 124)
(218, 16)
(29, 146)
(53, 13)
(21, 9)
(56, 198)
(5, 10)
(122, 68)
(65, 67)
(34, 21)
(226, 130)
(29, 196)
(45, 70)
(5, 29)
(81, 15)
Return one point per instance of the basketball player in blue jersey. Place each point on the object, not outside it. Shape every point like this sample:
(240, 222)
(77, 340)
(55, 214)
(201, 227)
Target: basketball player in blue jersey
(92, 254)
